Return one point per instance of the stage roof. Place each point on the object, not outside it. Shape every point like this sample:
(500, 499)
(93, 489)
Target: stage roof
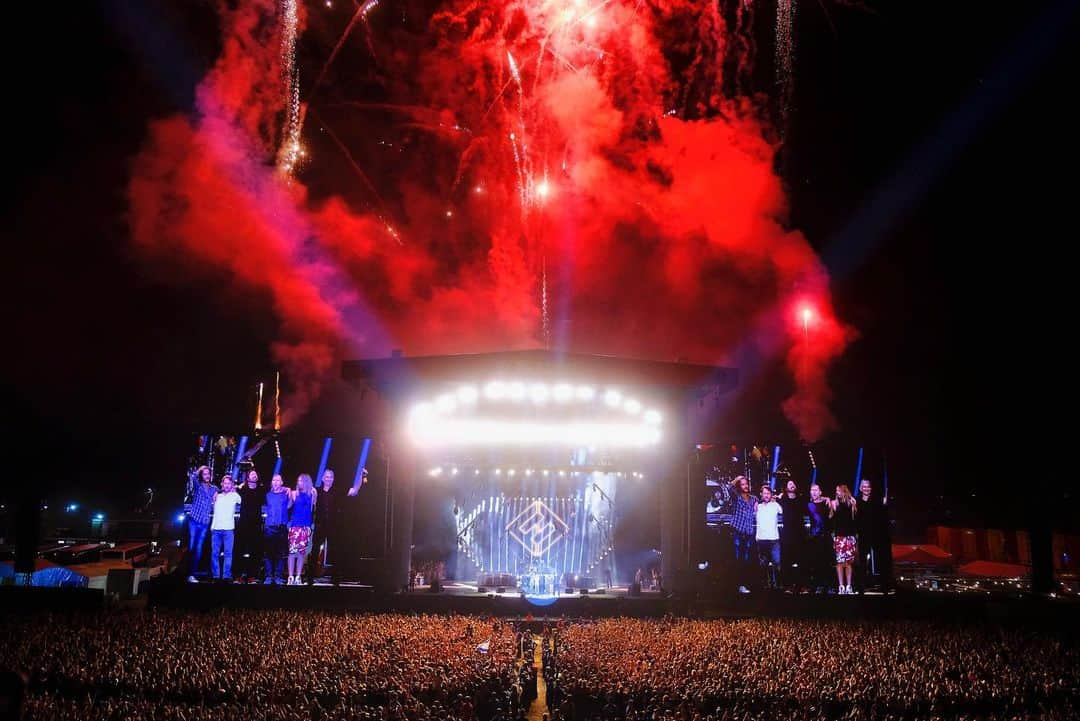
(404, 372)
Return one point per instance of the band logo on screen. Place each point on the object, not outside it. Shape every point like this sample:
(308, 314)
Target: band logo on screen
(537, 528)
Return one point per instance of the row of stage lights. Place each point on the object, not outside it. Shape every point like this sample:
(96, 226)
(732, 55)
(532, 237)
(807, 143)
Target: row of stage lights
(433, 423)
(540, 394)
(594, 564)
(438, 471)
(500, 501)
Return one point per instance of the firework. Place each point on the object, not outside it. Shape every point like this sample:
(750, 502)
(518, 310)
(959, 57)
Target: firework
(258, 409)
(277, 400)
(784, 58)
(548, 155)
(290, 152)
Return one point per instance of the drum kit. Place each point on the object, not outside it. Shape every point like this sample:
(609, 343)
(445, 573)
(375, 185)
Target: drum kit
(755, 463)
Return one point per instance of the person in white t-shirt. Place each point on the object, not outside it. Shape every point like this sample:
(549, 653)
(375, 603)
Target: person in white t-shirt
(768, 536)
(222, 528)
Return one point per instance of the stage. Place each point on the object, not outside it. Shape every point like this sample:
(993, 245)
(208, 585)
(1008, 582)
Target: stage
(466, 599)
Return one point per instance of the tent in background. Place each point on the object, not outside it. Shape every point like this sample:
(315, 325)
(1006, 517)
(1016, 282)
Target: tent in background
(923, 554)
(994, 569)
(46, 573)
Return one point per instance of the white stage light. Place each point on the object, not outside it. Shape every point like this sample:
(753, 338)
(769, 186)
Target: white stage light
(632, 407)
(442, 432)
(612, 397)
(585, 393)
(516, 391)
(563, 392)
(495, 391)
(652, 417)
(539, 393)
(445, 403)
(467, 394)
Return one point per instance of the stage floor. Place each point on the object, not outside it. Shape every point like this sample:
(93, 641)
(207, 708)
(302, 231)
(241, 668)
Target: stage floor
(466, 588)
(465, 598)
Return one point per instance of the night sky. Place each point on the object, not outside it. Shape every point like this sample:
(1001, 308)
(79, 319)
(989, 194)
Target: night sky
(930, 162)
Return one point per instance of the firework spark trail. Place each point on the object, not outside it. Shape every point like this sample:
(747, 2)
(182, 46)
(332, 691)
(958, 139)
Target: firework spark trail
(520, 172)
(785, 52)
(521, 91)
(545, 319)
(514, 69)
(290, 152)
(360, 173)
(540, 62)
(562, 59)
(497, 99)
(360, 14)
(521, 158)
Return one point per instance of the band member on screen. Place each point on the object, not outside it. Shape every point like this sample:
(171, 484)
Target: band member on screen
(222, 529)
(202, 508)
(875, 546)
(793, 537)
(767, 536)
(842, 512)
(743, 519)
(819, 547)
(276, 531)
(301, 505)
(249, 528)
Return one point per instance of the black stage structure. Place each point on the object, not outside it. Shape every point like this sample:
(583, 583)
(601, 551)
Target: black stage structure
(1022, 611)
(675, 391)
(566, 424)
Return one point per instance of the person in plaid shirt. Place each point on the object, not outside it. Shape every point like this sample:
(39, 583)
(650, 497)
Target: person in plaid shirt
(202, 506)
(743, 525)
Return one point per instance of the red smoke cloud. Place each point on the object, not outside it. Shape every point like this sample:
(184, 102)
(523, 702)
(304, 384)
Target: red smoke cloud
(593, 146)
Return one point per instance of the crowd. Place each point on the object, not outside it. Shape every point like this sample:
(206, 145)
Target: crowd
(280, 666)
(806, 670)
(272, 666)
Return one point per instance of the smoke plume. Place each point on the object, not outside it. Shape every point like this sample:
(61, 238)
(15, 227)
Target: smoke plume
(592, 176)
